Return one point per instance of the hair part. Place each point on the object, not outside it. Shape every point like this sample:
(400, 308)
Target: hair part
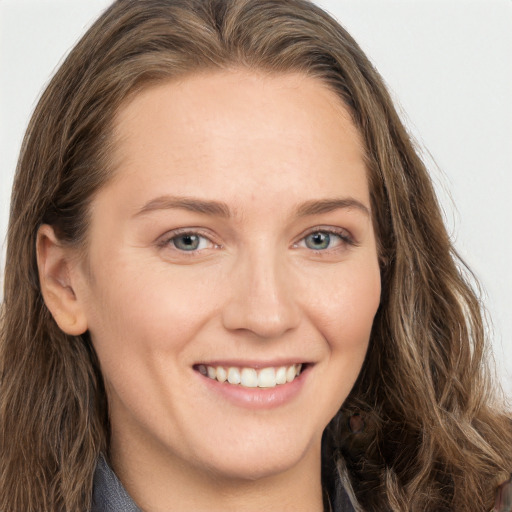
(434, 439)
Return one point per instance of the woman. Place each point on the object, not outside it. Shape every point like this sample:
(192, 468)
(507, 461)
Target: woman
(228, 283)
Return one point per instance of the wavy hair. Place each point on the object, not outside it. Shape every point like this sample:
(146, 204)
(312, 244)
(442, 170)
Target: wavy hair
(435, 438)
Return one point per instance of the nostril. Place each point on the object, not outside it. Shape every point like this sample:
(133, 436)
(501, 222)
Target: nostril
(263, 322)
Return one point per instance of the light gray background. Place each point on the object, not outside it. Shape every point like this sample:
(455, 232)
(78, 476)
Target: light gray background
(448, 64)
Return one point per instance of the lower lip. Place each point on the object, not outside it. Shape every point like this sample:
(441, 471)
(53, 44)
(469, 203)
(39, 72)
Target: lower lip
(257, 398)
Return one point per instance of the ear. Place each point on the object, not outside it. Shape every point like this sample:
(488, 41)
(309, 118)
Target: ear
(57, 273)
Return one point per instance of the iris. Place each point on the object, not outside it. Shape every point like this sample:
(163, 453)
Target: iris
(186, 242)
(318, 241)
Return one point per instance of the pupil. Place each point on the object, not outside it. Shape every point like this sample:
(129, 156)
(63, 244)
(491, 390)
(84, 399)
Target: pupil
(318, 241)
(187, 242)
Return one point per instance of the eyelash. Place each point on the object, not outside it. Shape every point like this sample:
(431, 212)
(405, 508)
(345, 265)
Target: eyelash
(175, 235)
(343, 236)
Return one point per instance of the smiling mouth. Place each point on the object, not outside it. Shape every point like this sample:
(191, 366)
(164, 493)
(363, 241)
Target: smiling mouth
(269, 377)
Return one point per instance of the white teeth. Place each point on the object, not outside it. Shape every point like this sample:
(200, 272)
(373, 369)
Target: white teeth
(267, 378)
(251, 377)
(222, 376)
(281, 375)
(291, 372)
(234, 376)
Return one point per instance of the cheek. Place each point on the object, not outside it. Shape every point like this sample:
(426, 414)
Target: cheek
(140, 310)
(344, 303)
(343, 315)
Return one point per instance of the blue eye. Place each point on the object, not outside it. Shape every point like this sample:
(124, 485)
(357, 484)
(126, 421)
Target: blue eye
(326, 239)
(186, 242)
(189, 242)
(318, 241)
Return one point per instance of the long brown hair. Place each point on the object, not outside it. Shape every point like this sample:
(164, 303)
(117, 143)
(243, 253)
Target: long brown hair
(435, 439)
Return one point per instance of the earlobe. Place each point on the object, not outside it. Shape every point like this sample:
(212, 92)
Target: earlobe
(56, 276)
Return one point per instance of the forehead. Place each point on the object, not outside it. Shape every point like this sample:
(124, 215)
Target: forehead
(238, 129)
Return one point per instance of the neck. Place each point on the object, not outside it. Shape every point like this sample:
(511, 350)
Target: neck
(159, 483)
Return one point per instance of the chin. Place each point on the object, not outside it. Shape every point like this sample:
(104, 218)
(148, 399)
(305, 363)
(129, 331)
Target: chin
(247, 460)
(251, 470)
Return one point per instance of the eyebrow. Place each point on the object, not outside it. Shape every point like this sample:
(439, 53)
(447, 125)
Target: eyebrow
(317, 207)
(191, 204)
(220, 209)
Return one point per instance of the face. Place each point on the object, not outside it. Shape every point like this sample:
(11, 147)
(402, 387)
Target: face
(232, 272)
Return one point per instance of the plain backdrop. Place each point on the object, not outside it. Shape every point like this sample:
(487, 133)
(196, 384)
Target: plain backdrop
(448, 64)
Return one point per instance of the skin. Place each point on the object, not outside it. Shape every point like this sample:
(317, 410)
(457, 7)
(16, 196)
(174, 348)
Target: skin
(267, 147)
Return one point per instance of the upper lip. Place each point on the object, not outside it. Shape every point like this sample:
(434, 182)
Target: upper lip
(251, 363)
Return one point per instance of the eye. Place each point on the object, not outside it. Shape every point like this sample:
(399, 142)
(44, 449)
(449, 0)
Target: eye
(324, 239)
(187, 241)
(318, 241)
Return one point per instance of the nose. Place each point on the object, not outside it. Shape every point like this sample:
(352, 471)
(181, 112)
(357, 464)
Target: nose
(262, 299)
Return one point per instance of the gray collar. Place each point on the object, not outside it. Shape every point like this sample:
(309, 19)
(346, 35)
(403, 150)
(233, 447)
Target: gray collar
(109, 495)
